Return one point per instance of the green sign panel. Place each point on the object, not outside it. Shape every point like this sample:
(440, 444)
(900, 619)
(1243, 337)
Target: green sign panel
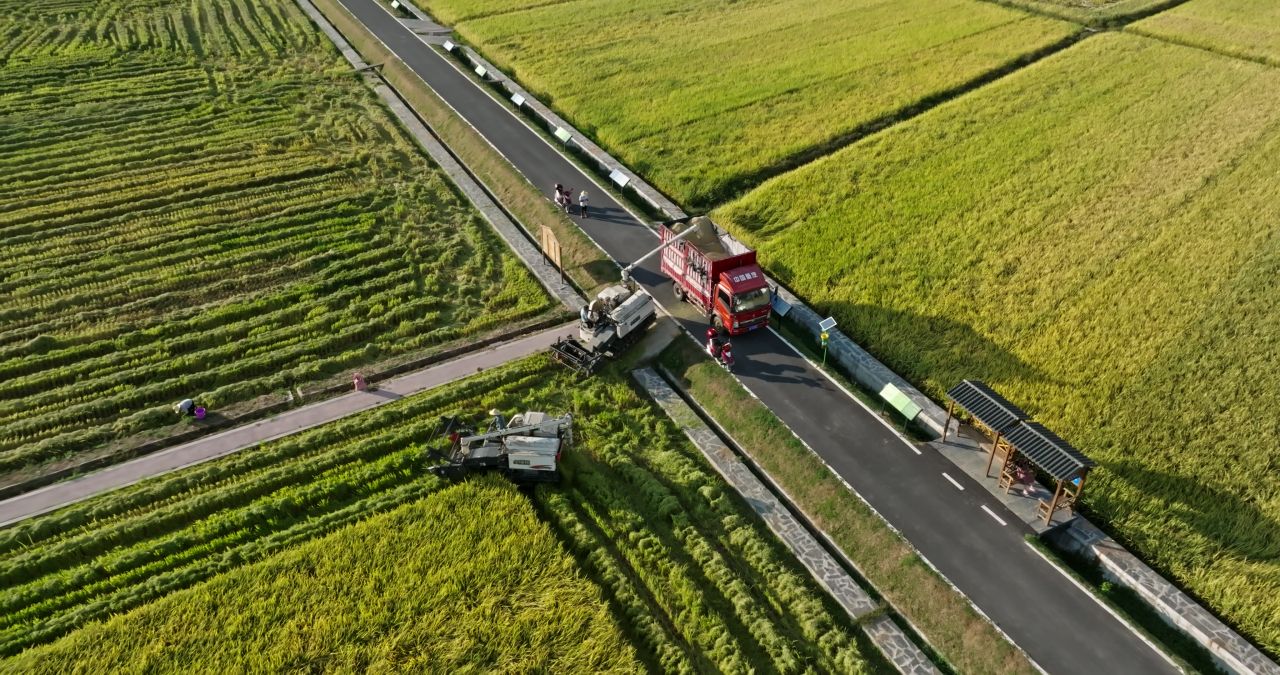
(894, 397)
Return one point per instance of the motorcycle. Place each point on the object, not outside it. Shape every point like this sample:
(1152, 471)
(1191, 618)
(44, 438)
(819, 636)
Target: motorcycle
(720, 349)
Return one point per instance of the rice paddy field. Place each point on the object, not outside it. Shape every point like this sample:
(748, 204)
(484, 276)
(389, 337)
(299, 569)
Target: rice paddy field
(257, 547)
(1247, 29)
(201, 200)
(707, 98)
(1095, 236)
(504, 596)
(1098, 13)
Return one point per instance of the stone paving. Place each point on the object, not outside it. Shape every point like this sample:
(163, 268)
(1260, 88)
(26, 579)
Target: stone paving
(1229, 648)
(897, 647)
(510, 232)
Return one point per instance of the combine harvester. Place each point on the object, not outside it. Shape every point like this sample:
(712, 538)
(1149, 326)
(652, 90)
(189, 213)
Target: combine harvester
(526, 449)
(726, 285)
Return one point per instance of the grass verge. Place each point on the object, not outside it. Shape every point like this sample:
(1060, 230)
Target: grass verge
(958, 634)
(1184, 650)
(584, 262)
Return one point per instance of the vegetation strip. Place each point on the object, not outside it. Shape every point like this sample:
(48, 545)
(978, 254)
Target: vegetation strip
(964, 639)
(520, 241)
(583, 261)
(905, 656)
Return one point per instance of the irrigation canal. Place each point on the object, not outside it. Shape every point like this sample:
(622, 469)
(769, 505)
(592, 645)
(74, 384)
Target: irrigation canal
(1062, 628)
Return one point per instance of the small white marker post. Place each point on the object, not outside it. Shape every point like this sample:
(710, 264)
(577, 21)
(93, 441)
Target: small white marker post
(448, 45)
(517, 99)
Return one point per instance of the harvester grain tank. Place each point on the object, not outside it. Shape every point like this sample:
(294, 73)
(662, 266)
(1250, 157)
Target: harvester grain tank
(716, 274)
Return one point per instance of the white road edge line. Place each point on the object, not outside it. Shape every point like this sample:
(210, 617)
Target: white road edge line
(991, 513)
(953, 481)
(1092, 596)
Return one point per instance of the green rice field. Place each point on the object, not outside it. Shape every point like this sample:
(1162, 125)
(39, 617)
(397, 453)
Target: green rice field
(707, 98)
(1094, 236)
(675, 559)
(201, 200)
(1247, 29)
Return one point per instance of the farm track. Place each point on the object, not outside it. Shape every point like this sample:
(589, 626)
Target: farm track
(685, 576)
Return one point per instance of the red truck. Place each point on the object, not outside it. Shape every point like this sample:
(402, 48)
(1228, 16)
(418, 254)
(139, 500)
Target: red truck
(727, 285)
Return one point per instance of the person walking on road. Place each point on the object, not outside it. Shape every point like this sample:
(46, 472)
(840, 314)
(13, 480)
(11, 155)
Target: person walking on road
(559, 193)
(568, 201)
(582, 203)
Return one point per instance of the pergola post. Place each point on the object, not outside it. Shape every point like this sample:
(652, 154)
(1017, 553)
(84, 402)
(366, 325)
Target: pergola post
(991, 458)
(1053, 505)
(951, 408)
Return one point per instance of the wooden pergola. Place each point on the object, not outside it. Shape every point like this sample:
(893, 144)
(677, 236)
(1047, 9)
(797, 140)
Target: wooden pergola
(1067, 466)
(991, 414)
(1018, 441)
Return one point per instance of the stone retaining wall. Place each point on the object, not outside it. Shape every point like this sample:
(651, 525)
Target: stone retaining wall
(887, 636)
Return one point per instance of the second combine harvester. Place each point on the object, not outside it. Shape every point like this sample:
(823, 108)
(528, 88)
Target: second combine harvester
(715, 274)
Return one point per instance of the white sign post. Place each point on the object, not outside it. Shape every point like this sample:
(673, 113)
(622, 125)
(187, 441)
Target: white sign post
(517, 99)
(448, 45)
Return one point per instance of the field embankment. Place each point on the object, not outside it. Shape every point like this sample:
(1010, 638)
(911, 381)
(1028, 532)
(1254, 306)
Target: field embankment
(1092, 235)
(1248, 29)
(705, 98)
(693, 579)
(200, 200)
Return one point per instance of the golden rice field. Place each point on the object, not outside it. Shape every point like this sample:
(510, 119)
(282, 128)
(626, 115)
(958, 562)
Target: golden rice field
(467, 579)
(1248, 29)
(200, 200)
(1100, 13)
(707, 98)
(643, 559)
(1096, 237)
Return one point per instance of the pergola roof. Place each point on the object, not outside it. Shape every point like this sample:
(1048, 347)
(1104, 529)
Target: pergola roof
(1052, 454)
(986, 405)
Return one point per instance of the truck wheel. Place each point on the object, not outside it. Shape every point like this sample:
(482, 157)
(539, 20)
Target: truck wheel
(679, 293)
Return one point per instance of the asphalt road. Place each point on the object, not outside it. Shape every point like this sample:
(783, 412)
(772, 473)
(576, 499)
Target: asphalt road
(1057, 624)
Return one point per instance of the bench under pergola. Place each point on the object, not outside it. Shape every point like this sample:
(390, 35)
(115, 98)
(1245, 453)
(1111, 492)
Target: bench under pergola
(1067, 466)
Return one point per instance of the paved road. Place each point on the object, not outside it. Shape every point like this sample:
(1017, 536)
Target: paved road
(218, 445)
(1062, 628)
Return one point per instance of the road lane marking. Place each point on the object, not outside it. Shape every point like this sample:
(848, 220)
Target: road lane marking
(952, 481)
(993, 515)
